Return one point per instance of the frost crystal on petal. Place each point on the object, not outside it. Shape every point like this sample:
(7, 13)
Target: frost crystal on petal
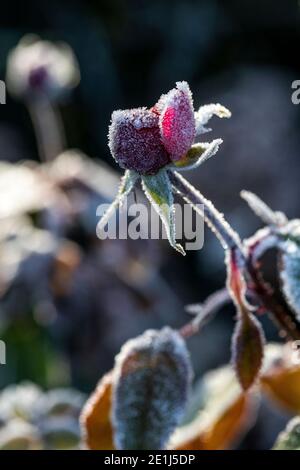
(134, 141)
(177, 120)
(151, 383)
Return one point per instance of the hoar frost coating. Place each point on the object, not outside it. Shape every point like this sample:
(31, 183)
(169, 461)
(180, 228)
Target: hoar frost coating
(134, 141)
(145, 140)
(177, 121)
(290, 277)
(151, 382)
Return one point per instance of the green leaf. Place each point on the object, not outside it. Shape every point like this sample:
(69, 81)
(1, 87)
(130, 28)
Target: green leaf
(128, 182)
(158, 190)
(197, 155)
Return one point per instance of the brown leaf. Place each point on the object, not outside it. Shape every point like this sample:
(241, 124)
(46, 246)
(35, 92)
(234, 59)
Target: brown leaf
(95, 417)
(281, 380)
(225, 417)
(247, 349)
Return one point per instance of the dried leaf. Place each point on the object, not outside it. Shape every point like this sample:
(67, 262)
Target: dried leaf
(95, 417)
(247, 349)
(281, 379)
(225, 415)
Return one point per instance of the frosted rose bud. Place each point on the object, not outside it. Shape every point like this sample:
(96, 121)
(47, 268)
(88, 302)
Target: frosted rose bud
(134, 141)
(41, 67)
(177, 120)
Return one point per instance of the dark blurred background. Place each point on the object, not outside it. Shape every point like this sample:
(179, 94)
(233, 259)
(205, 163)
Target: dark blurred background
(243, 54)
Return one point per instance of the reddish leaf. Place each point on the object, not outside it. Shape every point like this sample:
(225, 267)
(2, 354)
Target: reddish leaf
(247, 349)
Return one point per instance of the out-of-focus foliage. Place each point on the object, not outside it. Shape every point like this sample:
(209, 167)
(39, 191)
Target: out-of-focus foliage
(219, 413)
(53, 266)
(33, 419)
(289, 439)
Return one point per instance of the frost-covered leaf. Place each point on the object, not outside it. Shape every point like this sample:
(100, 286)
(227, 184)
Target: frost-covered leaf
(222, 413)
(151, 383)
(289, 439)
(205, 113)
(197, 155)
(96, 417)
(290, 276)
(291, 231)
(262, 210)
(128, 182)
(247, 348)
(159, 192)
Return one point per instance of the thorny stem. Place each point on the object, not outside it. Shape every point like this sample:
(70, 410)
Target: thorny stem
(205, 312)
(227, 236)
(247, 263)
(48, 128)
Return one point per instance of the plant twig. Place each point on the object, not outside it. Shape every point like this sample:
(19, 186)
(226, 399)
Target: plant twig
(205, 312)
(227, 236)
(48, 128)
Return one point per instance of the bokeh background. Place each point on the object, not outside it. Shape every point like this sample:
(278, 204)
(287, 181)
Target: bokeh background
(66, 309)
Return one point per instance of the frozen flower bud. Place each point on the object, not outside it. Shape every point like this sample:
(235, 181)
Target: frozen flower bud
(36, 67)
(134, 141)
(151, 381)
(290, 277)
(177, 120)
